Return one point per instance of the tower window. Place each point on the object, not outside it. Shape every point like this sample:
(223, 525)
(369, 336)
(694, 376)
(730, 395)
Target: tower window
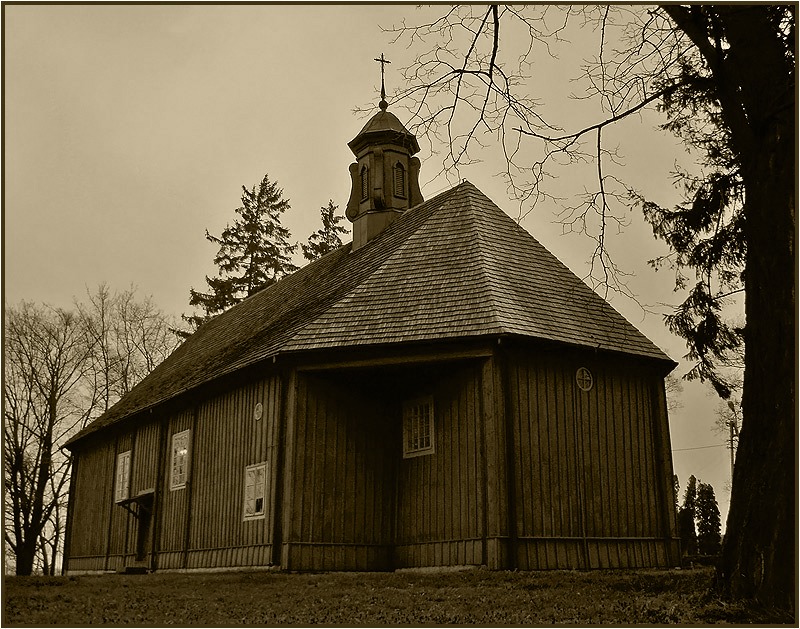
(364, 183)
(399, 180)
(418, 427)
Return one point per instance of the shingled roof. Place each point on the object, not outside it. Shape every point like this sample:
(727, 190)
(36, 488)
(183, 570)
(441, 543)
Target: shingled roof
(455, 266)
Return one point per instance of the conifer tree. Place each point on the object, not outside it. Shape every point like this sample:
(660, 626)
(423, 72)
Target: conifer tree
(253, 253)
(686, 518)
(708, 520)
(327, 239)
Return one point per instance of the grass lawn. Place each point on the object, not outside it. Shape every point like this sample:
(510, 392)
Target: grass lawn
(416, 598)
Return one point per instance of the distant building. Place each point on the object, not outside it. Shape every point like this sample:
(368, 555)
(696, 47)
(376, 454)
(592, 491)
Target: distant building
(441, 391)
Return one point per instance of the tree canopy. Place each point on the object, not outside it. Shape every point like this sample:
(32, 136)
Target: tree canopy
(708, 520)
(325, 239)
(253, 253)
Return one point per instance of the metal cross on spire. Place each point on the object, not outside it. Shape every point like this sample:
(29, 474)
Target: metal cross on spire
(383, 104)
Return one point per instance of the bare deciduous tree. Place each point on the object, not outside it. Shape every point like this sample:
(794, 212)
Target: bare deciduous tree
(45, 363)
(723, 78)
(62, 369)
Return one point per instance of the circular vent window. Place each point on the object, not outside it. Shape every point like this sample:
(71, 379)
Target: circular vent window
(259, 410)
(584, 379)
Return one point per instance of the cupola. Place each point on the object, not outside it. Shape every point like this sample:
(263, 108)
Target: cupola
(385, 176)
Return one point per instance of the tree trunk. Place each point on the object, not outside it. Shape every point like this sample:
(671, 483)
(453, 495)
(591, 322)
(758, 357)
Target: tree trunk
(759, 550)
(26, 553)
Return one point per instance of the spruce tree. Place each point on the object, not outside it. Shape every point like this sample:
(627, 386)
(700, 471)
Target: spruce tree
(708, 520)
(327, 239)
(253, 253)
(686, 518)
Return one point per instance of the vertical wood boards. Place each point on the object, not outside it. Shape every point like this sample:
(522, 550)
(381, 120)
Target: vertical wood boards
(341, 464)
(439, 501)
(661, 436)
(119, 525)
(231, 431)
(590, 465)
(528, 471)
(174, 503)
(70, 514)
(202, 524)
(91, 498)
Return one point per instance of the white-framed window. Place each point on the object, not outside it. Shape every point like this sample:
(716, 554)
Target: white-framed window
(418, 435)
(122, 485)
(179, 459)
(255, 491)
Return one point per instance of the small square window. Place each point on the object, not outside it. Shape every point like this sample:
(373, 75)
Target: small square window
(418, 427)
(180, 459)
(255, 491)
(123, 480)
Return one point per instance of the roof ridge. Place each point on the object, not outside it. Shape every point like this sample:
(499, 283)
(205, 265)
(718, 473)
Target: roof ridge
(485, 258)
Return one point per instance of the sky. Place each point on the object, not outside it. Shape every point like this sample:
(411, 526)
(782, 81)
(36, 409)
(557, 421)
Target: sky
(131, 129)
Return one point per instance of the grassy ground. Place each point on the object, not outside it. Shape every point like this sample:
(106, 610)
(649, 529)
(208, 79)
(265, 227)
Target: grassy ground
(466, 597)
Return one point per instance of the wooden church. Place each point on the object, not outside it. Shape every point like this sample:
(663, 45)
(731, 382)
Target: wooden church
(442, 391)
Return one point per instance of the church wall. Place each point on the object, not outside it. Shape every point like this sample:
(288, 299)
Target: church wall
(440, 497)
(528, 472)
(204, 524)
(173, 506)
(92, 487)
(590, 466)
(339, 497)
(120, 519)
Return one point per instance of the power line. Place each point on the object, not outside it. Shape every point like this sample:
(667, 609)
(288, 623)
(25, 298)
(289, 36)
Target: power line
(717, 445)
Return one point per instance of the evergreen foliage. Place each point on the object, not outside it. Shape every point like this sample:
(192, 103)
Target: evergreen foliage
(253, 253)
(326, 239)
(708, 520)
(687, 532)
(705, 233)
(690, 495)
(686, 518)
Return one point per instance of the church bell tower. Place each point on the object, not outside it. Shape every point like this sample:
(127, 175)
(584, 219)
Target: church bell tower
(385, 176)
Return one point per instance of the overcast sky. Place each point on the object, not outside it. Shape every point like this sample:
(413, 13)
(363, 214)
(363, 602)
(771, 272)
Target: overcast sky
(129, 131)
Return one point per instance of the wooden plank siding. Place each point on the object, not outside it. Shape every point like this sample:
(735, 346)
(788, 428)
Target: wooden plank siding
(527, 472)
(226, 438)
(91, 505)
(173, 518)
(588, 464)
(440, 501)
(120, 520)
(338, 500)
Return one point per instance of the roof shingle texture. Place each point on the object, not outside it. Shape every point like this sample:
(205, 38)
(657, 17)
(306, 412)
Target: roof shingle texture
(455, 266)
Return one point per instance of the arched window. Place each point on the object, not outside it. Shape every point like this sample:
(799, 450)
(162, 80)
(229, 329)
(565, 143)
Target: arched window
(399, 180)
(364, 183)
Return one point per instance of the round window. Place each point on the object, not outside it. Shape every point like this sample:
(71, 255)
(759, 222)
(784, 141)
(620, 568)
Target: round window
(259, 410)
(584, 379)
